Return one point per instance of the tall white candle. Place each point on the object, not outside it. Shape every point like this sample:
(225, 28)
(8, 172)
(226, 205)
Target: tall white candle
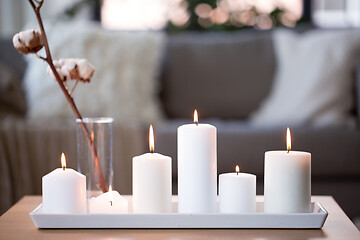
(237, 192)
(287, 181)
(197, 168)
(64, 191)
(152, 181)
(110, 202)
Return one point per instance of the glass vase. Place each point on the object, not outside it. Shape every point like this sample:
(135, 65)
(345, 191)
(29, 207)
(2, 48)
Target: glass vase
(95, 153)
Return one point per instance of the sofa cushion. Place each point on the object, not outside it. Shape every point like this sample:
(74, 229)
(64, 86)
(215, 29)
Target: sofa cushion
(12, 99)
(224, 75)
(12, 67)
(335, 151)
(9, 55)
(314, 82)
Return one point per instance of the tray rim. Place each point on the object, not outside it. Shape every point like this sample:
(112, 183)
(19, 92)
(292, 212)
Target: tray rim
(215, 219)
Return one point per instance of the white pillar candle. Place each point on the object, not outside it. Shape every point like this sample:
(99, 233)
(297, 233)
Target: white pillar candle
(287, 181)
(152, 181)
(110, 202)
(197, 168)
(64, 191)
(237, 192)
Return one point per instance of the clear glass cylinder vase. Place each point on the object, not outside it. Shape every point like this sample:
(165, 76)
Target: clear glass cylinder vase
(95, 153)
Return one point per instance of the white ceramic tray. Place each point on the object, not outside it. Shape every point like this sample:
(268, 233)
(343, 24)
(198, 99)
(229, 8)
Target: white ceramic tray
(315, 219)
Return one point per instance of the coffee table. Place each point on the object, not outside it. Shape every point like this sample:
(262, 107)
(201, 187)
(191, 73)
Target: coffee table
(16, 224)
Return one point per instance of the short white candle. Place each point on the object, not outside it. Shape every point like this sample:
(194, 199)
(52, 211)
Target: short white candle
(287, 181)
(110, 202)
(152, 188)
(64, 191)
(237, 192)
(197, 168)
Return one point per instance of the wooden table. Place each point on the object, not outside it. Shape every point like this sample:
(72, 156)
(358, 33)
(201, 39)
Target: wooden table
(16, 224)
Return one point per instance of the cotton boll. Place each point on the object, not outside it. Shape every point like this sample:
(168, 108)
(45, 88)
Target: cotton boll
(61, 70)
(28, 36)
(86, 70)
(19, 45)
(70, 64)
(73, 68)
(29, 41)
(64, 73)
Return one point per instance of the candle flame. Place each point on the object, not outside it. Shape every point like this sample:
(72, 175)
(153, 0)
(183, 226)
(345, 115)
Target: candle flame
(237, 169)
(63, 161)
(151, 139)
(92, 136)
(288, 139)
(110, 188)
(196, 117)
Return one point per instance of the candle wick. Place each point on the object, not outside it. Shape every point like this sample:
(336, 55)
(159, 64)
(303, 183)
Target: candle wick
(196, 123)
(110, 203)
(237, 173)
(64, 168)
(151, 151)
(288, 151)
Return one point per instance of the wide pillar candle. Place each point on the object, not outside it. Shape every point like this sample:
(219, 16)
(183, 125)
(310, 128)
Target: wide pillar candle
(64, 191)
(237, 192)
(287, 181)
(152, 188)
(197, 168)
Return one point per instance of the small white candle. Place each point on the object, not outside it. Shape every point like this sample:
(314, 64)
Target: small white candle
(237, 192)
(152, 188)
(197, 168)
(287, 181)
(110, 202)
(64, 191)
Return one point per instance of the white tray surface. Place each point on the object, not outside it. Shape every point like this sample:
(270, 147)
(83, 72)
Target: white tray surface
(314, 219)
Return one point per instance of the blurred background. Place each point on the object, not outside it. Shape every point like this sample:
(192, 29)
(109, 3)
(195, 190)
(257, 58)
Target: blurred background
(182, 15)
(250, 67)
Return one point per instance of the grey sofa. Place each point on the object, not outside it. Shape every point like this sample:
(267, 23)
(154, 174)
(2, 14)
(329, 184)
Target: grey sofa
(225, 76)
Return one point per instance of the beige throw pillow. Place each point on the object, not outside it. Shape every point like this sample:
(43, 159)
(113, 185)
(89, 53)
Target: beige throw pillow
(314, 82)
(125, 82)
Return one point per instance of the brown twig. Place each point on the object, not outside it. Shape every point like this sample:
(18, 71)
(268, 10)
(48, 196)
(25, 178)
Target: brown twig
(41, 57)
(49, 60)
(73, 88)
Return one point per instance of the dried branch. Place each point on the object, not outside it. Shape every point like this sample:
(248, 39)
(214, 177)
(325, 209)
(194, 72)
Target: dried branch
(49, 60)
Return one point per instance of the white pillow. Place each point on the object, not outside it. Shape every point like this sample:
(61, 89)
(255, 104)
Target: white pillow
(313, 83)
(125, 82)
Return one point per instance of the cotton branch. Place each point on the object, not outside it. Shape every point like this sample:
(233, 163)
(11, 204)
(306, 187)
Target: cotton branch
(40, 40)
